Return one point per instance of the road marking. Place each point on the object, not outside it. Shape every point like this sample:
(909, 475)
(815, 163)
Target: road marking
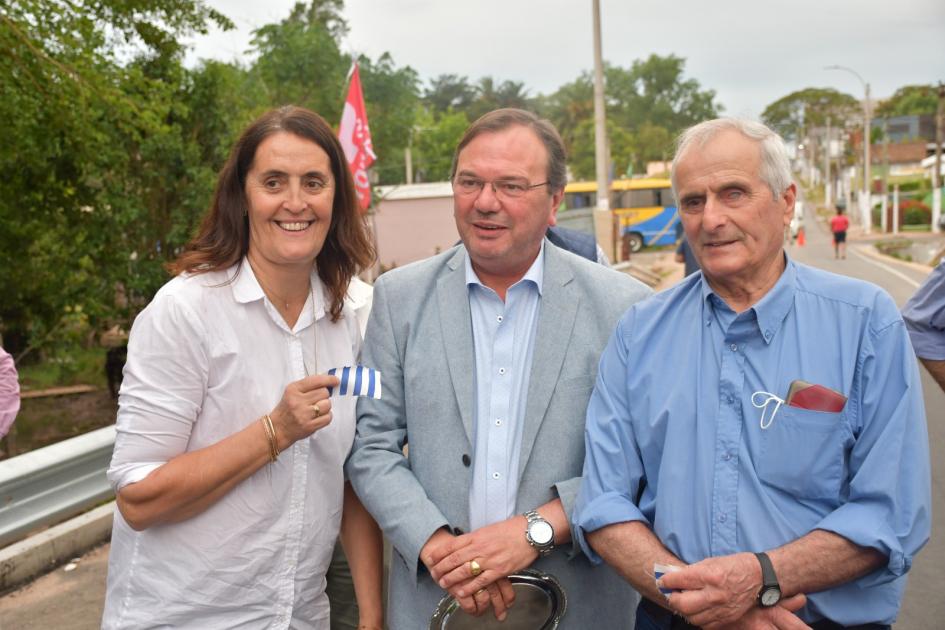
(886, 267)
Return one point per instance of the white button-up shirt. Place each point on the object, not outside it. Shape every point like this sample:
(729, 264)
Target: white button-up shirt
(205, 359)
(504, 342)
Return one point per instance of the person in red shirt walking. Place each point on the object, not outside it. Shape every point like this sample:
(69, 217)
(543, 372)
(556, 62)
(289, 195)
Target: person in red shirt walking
(839, 225)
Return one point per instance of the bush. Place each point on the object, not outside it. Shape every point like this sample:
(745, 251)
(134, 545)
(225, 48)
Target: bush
(914, 212)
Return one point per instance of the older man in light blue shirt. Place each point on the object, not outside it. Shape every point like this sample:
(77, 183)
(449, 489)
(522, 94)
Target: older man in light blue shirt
(704, 450)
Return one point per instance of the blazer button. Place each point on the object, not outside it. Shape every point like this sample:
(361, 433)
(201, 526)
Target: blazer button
(457, 531)
(466, 460)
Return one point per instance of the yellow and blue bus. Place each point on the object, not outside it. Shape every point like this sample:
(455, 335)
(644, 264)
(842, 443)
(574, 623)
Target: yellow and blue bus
(645, 209)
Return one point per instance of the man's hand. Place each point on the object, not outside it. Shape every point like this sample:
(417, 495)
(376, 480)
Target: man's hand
(500, 549)
(499, 595)
(716, 591)
(780, 617)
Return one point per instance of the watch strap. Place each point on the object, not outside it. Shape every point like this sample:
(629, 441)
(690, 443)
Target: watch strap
(769, 579)
(533, 517)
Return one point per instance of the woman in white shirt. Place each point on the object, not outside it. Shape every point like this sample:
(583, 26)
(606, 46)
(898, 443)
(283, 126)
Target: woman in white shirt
(228, 460)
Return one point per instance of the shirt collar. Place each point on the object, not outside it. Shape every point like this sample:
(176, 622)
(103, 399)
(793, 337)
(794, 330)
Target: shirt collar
(534, 275)
(771, 309)
(246, 288)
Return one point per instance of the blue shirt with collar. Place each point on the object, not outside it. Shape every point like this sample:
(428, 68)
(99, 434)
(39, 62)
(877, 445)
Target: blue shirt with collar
(675, 436)
(503, 342)
(924, 314)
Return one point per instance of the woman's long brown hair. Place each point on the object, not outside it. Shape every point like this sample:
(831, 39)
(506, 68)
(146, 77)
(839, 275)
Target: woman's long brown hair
(223, 237)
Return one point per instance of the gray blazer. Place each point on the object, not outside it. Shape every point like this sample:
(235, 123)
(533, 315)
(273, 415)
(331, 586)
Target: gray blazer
(420, 338)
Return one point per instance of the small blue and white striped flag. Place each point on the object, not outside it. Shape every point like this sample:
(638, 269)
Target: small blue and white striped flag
(356, 381)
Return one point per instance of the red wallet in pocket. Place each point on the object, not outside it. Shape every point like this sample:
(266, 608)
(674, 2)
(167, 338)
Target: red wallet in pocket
(815, 397)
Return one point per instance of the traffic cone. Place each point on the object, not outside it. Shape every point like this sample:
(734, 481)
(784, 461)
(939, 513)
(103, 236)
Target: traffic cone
(800, 237)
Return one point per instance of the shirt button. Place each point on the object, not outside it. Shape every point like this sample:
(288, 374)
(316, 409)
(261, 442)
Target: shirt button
(767, 334)
(729, 399)
(466, 460)
(708, 322)
(727, 456)
(721, 518)
(734, 348)
(501, 370)
(496, 475)
(498, 422)
(499, 319)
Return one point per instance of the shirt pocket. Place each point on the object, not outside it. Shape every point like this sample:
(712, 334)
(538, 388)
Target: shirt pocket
(803, 453)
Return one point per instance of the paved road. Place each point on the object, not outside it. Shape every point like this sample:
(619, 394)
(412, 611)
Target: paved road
(74, 599)
(924, 606)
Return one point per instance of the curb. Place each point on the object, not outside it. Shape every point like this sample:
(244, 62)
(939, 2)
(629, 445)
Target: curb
(30, 558)
(869, 249)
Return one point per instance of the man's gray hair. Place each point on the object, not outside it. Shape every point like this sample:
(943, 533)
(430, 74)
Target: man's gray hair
(775, 164)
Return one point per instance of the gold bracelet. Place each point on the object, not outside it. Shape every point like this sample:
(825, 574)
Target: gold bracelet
(271, 436)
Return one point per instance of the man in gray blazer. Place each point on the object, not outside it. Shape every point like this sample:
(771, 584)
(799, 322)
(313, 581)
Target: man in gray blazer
(488, 354)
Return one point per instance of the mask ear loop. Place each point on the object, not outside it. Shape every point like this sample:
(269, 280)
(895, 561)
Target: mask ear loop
(764, 407)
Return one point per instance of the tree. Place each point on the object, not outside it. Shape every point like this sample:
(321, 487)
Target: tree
(489, 96)
(805, 109)
(434, 141)
(392, 98)
(911, 100)
(449, 91)
(647, 104)
(299, 60)
(73, 112)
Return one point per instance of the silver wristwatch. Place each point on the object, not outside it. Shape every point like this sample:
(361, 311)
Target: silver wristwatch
(539, 533)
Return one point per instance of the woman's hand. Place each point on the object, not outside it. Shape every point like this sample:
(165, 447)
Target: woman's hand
(304, 409)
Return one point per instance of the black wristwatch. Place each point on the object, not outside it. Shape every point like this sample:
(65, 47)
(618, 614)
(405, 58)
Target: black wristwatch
(770, 593)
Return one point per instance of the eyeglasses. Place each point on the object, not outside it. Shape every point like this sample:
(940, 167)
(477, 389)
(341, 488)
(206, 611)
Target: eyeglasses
(511, 188)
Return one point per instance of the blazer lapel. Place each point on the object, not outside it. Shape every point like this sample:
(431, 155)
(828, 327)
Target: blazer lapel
(456, 331)
(559, 305)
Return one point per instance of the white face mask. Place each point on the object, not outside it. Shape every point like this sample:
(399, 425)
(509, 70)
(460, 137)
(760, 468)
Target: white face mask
(766, 398)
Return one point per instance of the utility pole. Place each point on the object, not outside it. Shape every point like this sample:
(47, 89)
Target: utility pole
(603, 221)
(885, 219)
(937, 169)
(866, 208)
(867, 175)
(828, 184)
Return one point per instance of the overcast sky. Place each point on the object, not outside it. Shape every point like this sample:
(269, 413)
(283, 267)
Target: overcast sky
(751, 52)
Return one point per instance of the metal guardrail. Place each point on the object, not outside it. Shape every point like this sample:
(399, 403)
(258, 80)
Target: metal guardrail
(54, 483)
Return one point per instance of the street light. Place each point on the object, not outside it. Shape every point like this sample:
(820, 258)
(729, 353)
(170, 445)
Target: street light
(866, 208)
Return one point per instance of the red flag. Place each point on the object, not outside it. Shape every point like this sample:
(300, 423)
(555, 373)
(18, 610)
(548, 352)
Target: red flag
(355, 138)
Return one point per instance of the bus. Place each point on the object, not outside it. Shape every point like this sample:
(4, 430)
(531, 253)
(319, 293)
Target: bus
(643, 208)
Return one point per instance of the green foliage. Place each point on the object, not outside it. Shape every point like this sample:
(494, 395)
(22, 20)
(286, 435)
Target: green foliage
(791, 115)
(391, 95)
(648, 104)
(434, 141)
(910, 100)
(914, 212)
(112, 146)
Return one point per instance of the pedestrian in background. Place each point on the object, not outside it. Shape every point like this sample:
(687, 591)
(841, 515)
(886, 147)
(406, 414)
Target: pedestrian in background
(839, 224)
(9, 392)
(924, 315)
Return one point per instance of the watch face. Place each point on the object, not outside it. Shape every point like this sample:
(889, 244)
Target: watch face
(541, 532)
(770, 596)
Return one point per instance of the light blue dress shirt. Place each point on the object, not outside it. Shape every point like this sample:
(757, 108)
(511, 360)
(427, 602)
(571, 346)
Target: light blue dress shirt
(925, 316)
(503, 340)
(674, 440)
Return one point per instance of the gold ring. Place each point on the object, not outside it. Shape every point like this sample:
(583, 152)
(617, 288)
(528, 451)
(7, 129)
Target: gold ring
(474, 568)
(317, 410)
(479, 592)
